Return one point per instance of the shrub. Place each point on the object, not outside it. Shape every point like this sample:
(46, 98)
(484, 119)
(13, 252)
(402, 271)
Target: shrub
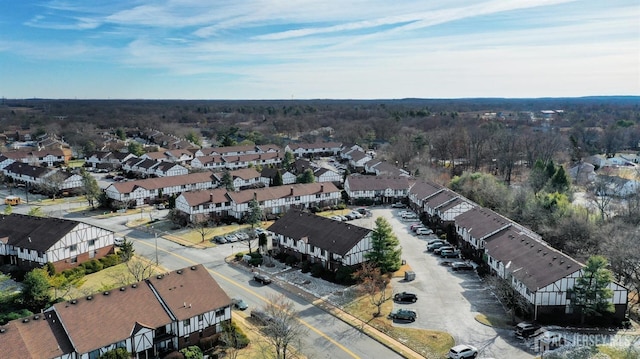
(174, 355)
(239, 256)
(110, 260)
(305, 266)
(256, 259)
(192, 352)
(344, 275)
(51, 269)
(74, 273)
(316, 270)
(241, 340)
(291, 260)
(92, 266)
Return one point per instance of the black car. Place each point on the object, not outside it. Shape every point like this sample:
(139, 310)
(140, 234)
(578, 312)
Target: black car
(261, 278)
(461, 266)
(261, 317)
(405, 297)
(403, 314)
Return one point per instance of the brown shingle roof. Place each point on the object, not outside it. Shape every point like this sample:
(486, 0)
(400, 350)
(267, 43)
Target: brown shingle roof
(41, 338)
(377, 183)
(107, 319)
(269, 193)
(423, 190)
(163, 182)
(533, 262)
(333, 236)
(196, 198)
(481, 222)
(189, 292)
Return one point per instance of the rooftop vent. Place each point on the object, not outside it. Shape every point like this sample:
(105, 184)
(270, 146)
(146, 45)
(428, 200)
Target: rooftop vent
(539, 250)
(159, 276)
(89, 297)
(74, 301)
(122, 289)
(568, 266)
(554, 258)
(179, 271)
(25, 320)
(2, 330)
(36, 317)
(105, 292)
(561, 262)
(193, 268)
(134, 286)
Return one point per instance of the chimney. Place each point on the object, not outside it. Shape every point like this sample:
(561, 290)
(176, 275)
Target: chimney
(321, 188)
(211, 197)
(255, 195)
(291, 191)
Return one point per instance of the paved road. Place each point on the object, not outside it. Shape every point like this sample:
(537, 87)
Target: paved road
(448, 301)
(327, 336)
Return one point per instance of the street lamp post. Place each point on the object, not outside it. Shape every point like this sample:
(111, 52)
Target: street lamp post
(156, 240)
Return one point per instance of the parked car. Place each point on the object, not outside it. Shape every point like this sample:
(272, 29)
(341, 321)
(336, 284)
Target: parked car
(405, 297)
(526, 330)
(410, 217)
(432, 241)
(415, 226)
(398, 205)
(231, 238)
(261, 317)
(404, 314)
(336, 218)
(461, 266)
(219, 239)
(449, 253)
(463, 351)
(261, 278)
(423, 231)
(442, 248)
(239, 304)
(435, 246)
(356, 214)
(242, 236)
(363, 211)
(403, 213)
(118, 241)
(259, 231)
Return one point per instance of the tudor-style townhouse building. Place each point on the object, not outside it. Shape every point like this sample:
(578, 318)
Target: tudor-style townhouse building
(321, 240)
(272, 200)
(381, 189)
(314, 149)
(31, 242)
(165, 312)
(140, 192)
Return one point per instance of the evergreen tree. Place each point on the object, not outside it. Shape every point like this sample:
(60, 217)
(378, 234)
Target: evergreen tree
(287, 161)
(560, 181)
(550, 169)
(255, 213)
(307, 176)
(91, 188)
(35, 291)
(227, 181)
(277, 180)
(385, 253)
(538, 177)
(590, 295)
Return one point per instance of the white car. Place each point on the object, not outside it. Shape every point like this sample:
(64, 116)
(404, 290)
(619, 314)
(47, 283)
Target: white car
(336, 218)
(231, 238)
(463, 351)
(423, 231)
(356, 214)
(118, 241)
(242, 236)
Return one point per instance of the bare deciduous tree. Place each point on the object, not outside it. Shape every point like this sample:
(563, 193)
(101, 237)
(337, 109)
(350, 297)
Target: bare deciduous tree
(285, 328)
(374, 284)
(509, 296)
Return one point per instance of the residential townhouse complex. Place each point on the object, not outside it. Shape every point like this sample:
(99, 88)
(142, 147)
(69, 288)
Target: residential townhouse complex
(543, 275)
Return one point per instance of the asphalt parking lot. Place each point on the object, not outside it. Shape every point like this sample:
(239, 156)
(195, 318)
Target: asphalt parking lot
(448, 301)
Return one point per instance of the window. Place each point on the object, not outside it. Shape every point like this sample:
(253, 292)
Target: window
(220, 313)
(297, 198)
(186, 322)
(92, 242)
(73, 247)
(74, 259)
(200, 317)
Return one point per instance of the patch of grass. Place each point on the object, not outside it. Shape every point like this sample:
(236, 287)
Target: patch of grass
(75, 163)
(106, 279)
(619, 352)
(430, 343)
(493, 321)
(400, 272)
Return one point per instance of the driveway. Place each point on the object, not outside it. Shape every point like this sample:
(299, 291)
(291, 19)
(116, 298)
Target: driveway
(448, 301)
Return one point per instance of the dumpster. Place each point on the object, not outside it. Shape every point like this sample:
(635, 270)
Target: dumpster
(409, 275)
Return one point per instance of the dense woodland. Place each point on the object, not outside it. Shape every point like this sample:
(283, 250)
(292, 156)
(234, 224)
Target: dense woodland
(502, 153)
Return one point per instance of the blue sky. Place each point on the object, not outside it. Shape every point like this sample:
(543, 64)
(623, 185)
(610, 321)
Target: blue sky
(310, 49)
